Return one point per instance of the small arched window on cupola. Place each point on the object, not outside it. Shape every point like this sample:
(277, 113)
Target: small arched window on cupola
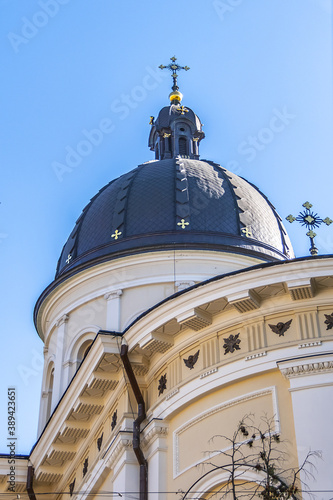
(83, 351)
(157, 153)
(50, 380)
(183, 146)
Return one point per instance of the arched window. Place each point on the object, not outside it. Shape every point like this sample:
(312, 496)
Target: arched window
(157, 155)
(182, 146)
(49, 395)
(83, 351)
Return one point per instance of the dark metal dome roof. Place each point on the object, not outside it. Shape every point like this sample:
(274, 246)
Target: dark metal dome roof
(177, 203)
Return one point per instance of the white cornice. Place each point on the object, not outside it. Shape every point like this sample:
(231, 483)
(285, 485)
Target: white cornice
(124, 275)
(234, 284)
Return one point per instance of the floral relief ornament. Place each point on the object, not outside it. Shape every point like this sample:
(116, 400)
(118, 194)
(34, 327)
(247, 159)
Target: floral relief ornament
(162, 384)
(329, 321)
(231, 344)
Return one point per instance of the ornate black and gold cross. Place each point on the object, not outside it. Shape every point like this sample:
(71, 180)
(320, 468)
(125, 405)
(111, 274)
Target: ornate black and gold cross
(311, 220)
(174, 67)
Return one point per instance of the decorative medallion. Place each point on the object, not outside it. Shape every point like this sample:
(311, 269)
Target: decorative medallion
(311, 220)
(99, 442)
(68, 258)
(85, 467)
(191, 360)
(114, 420)
(183, 224)
(71, 488)
(165, 135)
(116, 234)
(162, 384)
(231, 343)
(329, 321)
(281, 328)
(247, 231)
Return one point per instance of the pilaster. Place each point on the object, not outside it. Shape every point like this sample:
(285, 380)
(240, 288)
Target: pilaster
(61, 326)
(113, 310)
(311, 388)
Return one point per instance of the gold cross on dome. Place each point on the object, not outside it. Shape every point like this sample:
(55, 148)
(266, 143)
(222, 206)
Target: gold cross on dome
(182, 223)
(68, 258)
(183, 110)
(116, 234)
(174, 67)
(247, 231)
(311, 220)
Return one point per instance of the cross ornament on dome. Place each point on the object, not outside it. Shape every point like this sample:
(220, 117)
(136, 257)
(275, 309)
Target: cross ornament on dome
(311, 220)
(183, 223)
(116, 234)
(174, 67)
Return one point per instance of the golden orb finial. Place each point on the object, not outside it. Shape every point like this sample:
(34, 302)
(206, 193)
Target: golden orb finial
(175, 95)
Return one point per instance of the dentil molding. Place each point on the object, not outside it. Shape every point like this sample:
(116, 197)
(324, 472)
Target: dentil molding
(307, 369)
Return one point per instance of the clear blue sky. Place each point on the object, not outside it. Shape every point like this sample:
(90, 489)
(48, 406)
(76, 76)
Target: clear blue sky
(67, 65)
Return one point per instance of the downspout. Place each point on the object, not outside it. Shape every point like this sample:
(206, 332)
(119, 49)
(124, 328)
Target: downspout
(136, 424)
(30, 490)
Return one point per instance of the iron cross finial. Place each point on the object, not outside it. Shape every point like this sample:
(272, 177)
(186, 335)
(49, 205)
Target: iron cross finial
(174, 67)
(311, 220)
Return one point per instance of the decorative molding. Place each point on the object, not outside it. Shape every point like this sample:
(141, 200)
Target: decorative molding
(310, 344)
(301, 289)
(209, 372)
(68, 363)
(245, 301)
(171, 394)
(216, 409)
(156, 342)
(124, 444)
(157, 431)
(62, 320)
(196, 319)
(114, 294)
(254, 356)
(182, 285)
(307, 369)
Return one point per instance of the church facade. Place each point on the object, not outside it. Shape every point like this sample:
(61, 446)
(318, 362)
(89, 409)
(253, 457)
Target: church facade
(177, 305)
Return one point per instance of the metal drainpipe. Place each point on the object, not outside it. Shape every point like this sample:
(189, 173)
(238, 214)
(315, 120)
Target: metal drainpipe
(136, 424)
(29, 486)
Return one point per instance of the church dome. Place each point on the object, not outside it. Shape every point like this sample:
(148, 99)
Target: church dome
(175, 203)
